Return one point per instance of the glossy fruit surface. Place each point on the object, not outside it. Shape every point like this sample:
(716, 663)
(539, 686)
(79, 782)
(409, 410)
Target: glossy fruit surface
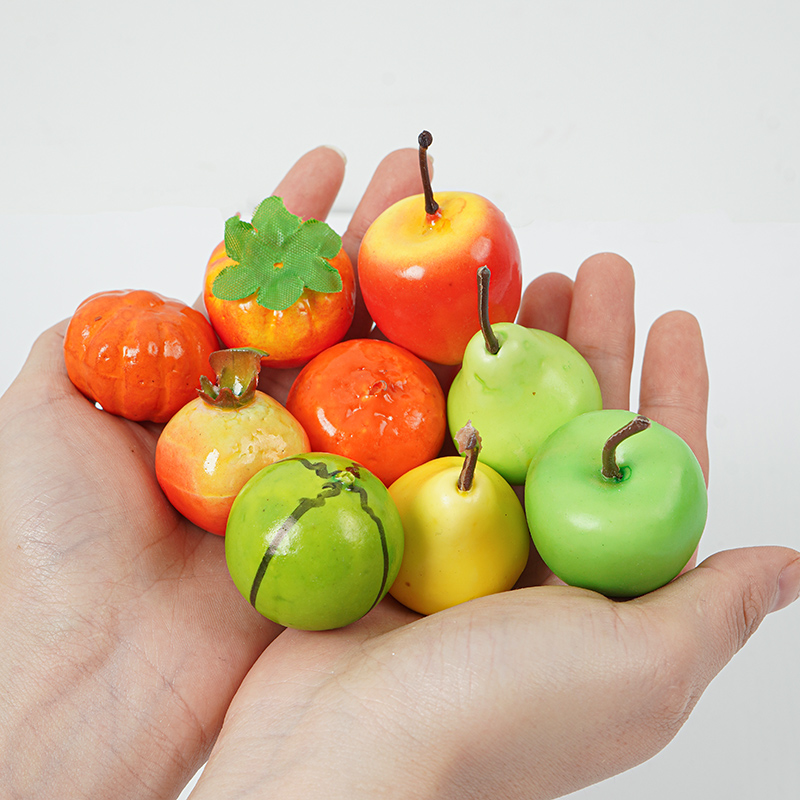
(517, 397)
(621, 538)
(417, 272)
(459, 545)
(290, 337)
(314, 541)
(138, 354)
(371, 401)
(205, 454)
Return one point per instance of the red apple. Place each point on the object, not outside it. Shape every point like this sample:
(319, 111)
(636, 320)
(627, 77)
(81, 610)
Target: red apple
(417, 266)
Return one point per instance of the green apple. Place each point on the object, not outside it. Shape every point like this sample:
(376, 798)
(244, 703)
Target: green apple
(517, 385)
(615, 503)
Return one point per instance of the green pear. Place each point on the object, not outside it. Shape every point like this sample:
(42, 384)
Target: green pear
(516, 386)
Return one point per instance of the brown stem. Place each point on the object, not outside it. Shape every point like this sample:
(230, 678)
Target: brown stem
(492, 345)
(468, 442)
(610, 469)
(425, 140)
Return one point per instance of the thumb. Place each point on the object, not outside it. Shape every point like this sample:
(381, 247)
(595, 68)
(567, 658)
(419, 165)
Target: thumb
(721, 602)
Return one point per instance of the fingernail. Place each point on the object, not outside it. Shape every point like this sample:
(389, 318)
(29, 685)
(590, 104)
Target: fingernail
(337, 150)
(788, 585)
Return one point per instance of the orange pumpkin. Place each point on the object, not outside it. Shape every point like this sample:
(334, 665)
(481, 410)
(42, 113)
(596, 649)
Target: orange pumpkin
(138, 354)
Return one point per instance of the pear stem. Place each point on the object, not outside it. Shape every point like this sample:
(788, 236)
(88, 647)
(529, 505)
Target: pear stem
(468, 442)
(492, 344)
(610, 469)
(425, 140)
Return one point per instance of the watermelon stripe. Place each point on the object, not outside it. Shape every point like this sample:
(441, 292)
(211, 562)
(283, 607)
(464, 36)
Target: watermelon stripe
(330, 489)
(306, 504)
(362, 493)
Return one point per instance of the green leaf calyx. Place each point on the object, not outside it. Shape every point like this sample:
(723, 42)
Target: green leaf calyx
(278, 256)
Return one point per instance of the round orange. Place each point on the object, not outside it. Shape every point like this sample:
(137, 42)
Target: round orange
(373, 402)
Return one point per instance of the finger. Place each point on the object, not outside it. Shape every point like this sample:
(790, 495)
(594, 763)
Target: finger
(545, 304)
(310, 187)
(674, 385)
(601, 324)
(44, 366)
(684, 634)
(710, 612)
(397, 176)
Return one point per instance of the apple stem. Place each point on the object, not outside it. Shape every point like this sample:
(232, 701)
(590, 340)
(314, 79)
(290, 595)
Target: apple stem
(425, 140)
(610, 469)
(492, 344)
(468, 442)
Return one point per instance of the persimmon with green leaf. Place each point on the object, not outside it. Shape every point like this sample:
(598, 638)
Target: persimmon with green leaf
(281, 285)
(223, 437)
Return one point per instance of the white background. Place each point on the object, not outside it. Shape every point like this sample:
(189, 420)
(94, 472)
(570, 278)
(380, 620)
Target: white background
(666, 132)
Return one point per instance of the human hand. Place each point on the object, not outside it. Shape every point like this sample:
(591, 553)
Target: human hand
(124, 638)
(531, 693)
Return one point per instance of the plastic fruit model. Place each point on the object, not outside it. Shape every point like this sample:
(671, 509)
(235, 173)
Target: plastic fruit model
(314, 541)
(465, 530)
(371, 401)
(417, 263)
(138, 354)
(615, 503)
(280, 285)
(517, 385)
(219, 440)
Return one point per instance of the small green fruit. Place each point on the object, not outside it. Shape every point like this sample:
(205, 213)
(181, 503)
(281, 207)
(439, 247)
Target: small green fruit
(518, 396)
(314, 541)
(624, 530)
(516, 386)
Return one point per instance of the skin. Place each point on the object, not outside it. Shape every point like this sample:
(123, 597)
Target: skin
(126, 696)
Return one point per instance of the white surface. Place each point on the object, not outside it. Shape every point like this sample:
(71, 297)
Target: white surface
(555, 110)
(666, 133)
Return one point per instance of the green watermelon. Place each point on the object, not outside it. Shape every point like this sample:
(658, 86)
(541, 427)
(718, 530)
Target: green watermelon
(314, 541)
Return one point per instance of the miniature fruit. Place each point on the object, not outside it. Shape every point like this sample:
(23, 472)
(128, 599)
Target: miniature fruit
(371, 401)
(517, 385)
(314, 541)
(417, 263)
(615, 503)
(138, 354)
(280, 285)
(219, 440)
(465, 531)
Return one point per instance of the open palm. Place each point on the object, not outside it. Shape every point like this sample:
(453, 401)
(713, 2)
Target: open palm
(530, 693)
(135, 636)
(126, 644)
